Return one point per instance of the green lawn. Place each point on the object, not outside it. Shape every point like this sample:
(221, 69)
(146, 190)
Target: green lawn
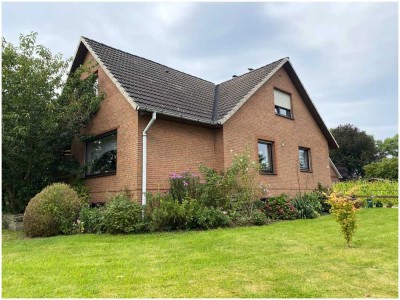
(303, 258)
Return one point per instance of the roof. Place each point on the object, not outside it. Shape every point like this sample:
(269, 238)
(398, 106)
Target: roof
(150, 86)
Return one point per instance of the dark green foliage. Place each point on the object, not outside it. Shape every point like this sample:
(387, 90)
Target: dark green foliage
(122, 215)
(386, 168)
(169, 215)
(322, 194)
(357, 149)
(307, 206)
(92, 219)
(388, 147)
(53, 211)
(40, 122)
(280, 208)
(213, 190)
(258, 218)
(198, 216)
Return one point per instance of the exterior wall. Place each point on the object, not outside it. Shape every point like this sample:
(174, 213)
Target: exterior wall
(256, 119)
(114, 113)
(175, 147)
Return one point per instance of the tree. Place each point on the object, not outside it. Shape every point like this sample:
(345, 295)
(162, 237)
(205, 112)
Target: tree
(44, 109)
(388, 147)
(386, 168)
(357, 149)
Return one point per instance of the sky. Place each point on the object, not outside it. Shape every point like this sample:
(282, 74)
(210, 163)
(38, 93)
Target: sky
(346, 54)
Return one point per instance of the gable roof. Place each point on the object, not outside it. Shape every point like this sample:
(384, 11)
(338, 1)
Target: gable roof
(150, 86)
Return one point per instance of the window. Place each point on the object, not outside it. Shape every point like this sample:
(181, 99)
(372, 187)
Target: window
(265, 156)
(282, 104)
(304, 159)
(101, 154)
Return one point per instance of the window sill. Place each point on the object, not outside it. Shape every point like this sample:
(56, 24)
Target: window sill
(100, 175)
(268, 173)
(286, 117)
(306, 171)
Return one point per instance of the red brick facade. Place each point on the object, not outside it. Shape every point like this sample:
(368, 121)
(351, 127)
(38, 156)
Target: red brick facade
(175, 146)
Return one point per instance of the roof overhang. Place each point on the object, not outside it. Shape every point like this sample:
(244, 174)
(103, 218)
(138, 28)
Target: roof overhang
(335, 169)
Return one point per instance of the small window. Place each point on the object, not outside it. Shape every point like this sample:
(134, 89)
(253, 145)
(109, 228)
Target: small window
(265, 156)
(101, 154)
(304, 159)
(282, 104)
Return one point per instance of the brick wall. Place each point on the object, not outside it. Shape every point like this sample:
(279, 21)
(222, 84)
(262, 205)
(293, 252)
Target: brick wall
(256, 119)
(115, 113)
(176, 146)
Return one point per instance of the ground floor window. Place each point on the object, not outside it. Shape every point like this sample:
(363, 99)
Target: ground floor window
(265, 156)
(304, 159)
(101, 154)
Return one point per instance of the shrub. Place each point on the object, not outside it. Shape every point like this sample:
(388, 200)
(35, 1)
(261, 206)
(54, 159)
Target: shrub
(307, 206)
(323, 196)
(121, 215)
(258, 218)
(199, 216)
(213, 192)
(345, 213)
(184, 185)
(92, 219)
(52, 211)
(280, 208)
(168, 216)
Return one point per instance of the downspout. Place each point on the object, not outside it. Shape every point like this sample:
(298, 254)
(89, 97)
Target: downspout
(144, 157)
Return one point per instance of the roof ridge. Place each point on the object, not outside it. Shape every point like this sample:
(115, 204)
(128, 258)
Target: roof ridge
(148, 60)
(254, 70)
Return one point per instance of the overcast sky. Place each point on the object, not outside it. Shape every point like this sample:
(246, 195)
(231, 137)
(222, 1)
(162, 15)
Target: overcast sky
(345, 54)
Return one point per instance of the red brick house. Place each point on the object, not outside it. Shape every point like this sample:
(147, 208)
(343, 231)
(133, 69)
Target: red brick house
(187, 120)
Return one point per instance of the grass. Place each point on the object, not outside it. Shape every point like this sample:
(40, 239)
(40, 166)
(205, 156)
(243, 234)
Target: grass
(302, 258)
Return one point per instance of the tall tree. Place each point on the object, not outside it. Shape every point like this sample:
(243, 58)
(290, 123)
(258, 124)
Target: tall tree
(389, 147)
(356, 149)
(44, 109)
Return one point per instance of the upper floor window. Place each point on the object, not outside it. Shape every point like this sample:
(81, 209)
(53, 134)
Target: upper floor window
(304, 159)
(265, 156)
(101, 154)
(282, 104)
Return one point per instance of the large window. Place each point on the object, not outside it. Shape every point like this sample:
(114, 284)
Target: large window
(304, 159)
(282, 104)
(101, 154)
(265, 156)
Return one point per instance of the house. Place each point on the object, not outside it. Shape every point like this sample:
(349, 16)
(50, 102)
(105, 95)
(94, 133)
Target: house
(156, 120)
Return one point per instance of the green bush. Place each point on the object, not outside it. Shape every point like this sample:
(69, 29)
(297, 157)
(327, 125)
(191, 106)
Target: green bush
(184, 185)
(386, 168)
(307, 206)
(213, 193)
(280, 208)
(200, 217)
(121, 215)
(168, 216)
(53, 211)
(258, 218)
(92, 219)
(323, 195)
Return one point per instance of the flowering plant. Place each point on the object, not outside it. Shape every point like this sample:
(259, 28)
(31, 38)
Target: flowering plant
(184, 185)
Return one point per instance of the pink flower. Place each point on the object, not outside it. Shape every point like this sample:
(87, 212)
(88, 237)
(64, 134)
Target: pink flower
(185, 183)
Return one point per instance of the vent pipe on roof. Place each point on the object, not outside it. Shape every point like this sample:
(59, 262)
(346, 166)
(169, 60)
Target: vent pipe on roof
(250, 69)
(144, 158)
(234, 76)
